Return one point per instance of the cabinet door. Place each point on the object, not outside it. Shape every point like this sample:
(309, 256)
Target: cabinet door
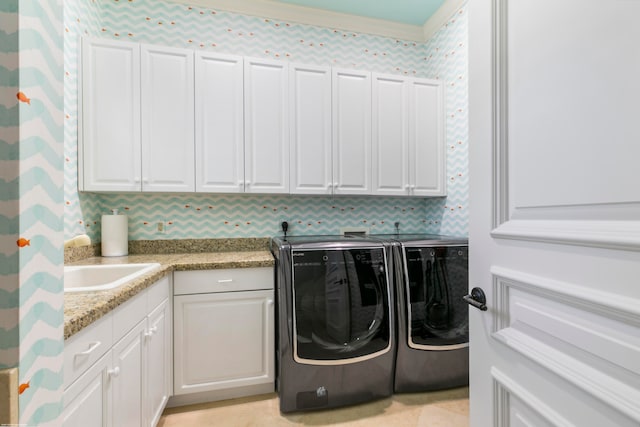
(223, 340)
(167, 119)
(352, 131)
(86, 401)
(390, 158)
(219, 123)
(159, 361)
(109, 157)
(427, 167)
(266, 126)
(310, 107)
(127, 378)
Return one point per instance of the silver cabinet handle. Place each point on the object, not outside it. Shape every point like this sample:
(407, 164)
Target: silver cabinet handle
(225, 280)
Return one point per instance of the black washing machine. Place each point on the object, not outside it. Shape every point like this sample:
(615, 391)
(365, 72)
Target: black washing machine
(431, 275)
(335, 333)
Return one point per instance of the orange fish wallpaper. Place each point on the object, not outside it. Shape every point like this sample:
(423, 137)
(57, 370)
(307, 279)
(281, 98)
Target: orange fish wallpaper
(22, 242)
(23, 387)
(23, 98)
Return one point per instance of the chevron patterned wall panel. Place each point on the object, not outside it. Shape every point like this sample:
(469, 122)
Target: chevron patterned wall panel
(173, 24)
(81, 18)
(31, 184)
(210, 216)
(446, 59)
(9, 185)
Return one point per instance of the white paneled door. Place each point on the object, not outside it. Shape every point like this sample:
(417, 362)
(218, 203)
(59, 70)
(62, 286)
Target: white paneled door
(167, 86)
(427, 157)
(219, 123)
(351, 131)
(266, 126)
(555, 219)
(310, 125)
(109, 132)
(390, 139)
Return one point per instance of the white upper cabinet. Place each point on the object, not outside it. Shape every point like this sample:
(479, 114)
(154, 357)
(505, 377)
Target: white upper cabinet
(219, 123)
(174, 120)
(427, 165)
(266, 120)
(310, 107)
(408, 136)
(167, 119)
(351, 131)
(390, 139)
(109, 150)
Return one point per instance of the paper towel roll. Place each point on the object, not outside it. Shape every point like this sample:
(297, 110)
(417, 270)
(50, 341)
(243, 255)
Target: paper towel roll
(115, 235)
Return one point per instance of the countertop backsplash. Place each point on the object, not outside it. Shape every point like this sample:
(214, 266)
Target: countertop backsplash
(177, 246)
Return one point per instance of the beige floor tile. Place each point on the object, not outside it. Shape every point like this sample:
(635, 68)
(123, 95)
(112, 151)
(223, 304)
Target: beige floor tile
(447, 408)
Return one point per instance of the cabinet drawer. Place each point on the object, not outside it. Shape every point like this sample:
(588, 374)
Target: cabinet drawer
(226, 280)
(158, 293)
(87, 346)
(129, 314)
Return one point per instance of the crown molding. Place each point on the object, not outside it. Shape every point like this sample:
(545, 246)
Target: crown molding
(440, 18)
(328, 19)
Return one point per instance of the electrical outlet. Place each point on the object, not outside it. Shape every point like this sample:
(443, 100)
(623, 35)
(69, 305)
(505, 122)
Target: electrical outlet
(160, 227)
(354, 231)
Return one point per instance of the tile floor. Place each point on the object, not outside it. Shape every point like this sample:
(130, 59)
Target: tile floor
(447, 408)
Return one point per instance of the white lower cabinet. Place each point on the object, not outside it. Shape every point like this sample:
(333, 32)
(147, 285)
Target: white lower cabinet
(224, 333)
(127, 383)
(85, 401)
(127, 378)
(159, 382)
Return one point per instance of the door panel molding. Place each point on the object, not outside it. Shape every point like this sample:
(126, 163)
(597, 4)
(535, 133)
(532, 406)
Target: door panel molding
(588, 338)
(612, 225)
(624, 235)
(504, 391)
(500, 100)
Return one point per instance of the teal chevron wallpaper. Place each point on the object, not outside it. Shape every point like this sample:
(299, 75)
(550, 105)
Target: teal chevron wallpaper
(9, 186)
(446, 59)
(81, 18)
(31, 204)
(212, 216)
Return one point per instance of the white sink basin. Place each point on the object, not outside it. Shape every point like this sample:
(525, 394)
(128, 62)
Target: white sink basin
(84, 278)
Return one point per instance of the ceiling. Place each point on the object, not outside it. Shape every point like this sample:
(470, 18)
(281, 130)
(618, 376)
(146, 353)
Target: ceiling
(402, 19)
(412, 12)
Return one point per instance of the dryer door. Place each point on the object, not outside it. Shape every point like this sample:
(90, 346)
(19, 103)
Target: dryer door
(341, 305)
(436, 279)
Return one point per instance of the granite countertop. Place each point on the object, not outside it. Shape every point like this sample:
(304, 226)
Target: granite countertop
(83, 308)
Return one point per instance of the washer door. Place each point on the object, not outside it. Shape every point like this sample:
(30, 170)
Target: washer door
(436, 280)
(340, 305)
